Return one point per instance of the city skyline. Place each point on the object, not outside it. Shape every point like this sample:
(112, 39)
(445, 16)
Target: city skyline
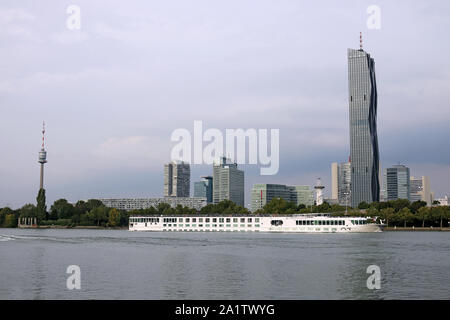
(118, 150)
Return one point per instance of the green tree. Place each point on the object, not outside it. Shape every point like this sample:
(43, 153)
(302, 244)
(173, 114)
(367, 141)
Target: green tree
(424, 213)
(405, 215)
(387, 214)
(363, 205)
(439, 214)
(41, 208)
(10, 221)
(113, 217)
(61, 209)
(99, 215)
(28, 210)
(399, 204)
(416, 205)
(3, 213)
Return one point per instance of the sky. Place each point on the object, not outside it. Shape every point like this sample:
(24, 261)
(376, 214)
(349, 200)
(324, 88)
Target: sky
(113, 91)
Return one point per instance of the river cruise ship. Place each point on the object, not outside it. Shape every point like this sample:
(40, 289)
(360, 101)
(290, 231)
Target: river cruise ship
(299, 223)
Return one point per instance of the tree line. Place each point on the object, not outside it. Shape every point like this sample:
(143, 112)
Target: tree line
(94, 213)
(400, 213)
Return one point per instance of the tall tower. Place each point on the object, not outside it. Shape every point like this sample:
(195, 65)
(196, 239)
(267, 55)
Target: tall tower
(42, 157)
(177, 179)
(319, 192)
(365, 184)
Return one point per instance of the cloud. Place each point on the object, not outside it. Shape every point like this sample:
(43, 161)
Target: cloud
(133, 151)
(70, 37)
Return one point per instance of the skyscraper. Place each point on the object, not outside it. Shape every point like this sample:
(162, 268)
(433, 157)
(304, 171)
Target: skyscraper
(228, 182)
(334, 181)
(204, 189)
(177, 179)
(344, 183)
(365, 185)
(397, 183)
(420, 190)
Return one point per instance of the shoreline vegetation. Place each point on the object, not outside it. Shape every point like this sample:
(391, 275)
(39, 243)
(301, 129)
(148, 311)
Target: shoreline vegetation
(397, 215)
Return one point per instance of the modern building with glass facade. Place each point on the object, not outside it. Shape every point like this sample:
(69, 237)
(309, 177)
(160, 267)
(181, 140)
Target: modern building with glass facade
(344, 183)
(397, 183)
(228, 182)
(364, 154)
(177, 179)
(263, 193)
(204, 189)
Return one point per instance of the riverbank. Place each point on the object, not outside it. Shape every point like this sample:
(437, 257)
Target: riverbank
(415, 229)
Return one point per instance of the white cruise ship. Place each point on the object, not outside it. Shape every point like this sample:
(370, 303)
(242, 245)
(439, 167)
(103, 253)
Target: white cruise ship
(300, 223)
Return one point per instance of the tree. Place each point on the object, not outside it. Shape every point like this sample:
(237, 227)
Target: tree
(27, 211)
(399, 204)
(438, 213)
(3, 213)
(61, 209)
(10, 221)
(405, 215)
(423, 214)
(99, 215)
(416, 205)
(363, 205)
(41, 208)
(113, 217)
(387, 214)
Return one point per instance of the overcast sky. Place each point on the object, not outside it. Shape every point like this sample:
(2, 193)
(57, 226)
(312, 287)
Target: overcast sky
(112, 92)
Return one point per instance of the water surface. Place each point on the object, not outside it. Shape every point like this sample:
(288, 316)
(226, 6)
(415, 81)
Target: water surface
(119, 264)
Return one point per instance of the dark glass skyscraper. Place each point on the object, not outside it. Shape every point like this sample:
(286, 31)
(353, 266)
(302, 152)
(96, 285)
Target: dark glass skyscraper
(364, 156)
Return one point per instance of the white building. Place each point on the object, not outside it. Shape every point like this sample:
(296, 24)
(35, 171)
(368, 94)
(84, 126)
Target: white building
(145, 203)
(420, 190)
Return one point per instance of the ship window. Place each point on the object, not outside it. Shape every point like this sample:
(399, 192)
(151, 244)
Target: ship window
(228, 220)
(242, 220)
(207, 220)
(187, 220)
(194, 219)
(221, 220)
(256, 219)
(200, 219)
(180, 220)
(214, 220)
(249, 219)
(276, 222)
(235, 220)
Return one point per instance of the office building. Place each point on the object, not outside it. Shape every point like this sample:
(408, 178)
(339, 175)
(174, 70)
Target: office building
(228, 182)
(177, 179)
(334, 181)
(397, 183)
(420, 190)
(204, 189)
(145, 203)
(263, 193)
(364, 156)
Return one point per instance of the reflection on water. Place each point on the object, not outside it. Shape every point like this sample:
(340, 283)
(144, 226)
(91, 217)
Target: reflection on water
(132, 265)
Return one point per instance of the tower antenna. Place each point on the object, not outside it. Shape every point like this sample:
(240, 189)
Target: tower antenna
(43, 133)
(360, 41)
